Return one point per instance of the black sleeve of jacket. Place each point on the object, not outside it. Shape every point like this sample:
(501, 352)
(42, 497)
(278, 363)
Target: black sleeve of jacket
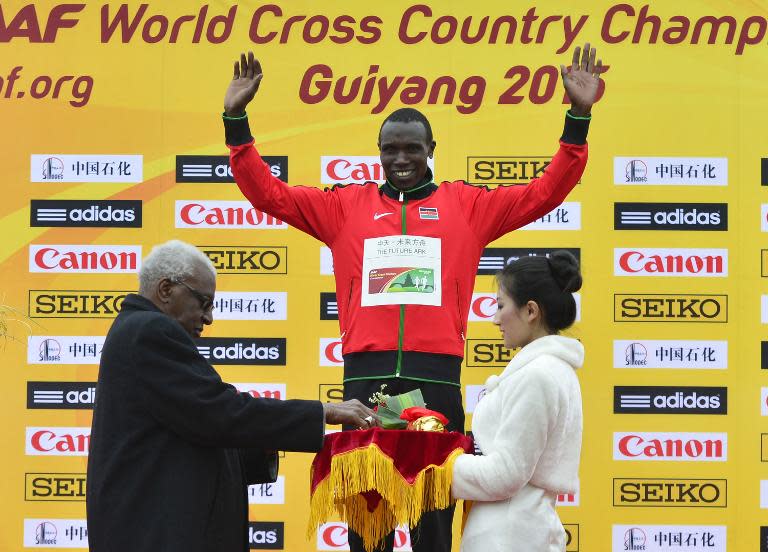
(184, 393)
(575, 129)
(260, 466)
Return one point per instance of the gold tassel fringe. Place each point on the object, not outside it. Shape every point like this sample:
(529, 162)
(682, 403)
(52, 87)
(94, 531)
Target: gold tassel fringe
(368, 469)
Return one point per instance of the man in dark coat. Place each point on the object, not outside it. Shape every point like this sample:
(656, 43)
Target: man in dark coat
(173, 448)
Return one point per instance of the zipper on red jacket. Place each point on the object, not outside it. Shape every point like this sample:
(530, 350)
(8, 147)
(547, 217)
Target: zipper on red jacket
(401, 329)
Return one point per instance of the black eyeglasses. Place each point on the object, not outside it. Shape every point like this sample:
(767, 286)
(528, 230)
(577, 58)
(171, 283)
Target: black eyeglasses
(206, 303)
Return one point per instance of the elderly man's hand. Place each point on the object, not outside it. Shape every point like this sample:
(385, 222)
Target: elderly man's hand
(350, 412)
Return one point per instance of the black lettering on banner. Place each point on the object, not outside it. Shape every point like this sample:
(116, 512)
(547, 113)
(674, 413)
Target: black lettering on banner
(494, 170)
(54, 487)
(571, 537)
(238, 259)
(487, 353)
(670, 308)
(70, 303)
(670, 493)
(85, 213)
(331, 392)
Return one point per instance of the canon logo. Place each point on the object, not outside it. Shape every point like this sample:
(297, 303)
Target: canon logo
(670, 446)
(223, 214)
(351, 169)
(334, 536)
(483, 307)
(330, 351)
(262, 390)
(671, 262)
(78, 258)
(58, 441)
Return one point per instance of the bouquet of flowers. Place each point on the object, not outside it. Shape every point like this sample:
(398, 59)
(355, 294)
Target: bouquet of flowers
(407, 411)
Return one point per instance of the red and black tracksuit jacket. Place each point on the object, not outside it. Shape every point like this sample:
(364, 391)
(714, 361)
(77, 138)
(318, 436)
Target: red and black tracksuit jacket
(407, 341)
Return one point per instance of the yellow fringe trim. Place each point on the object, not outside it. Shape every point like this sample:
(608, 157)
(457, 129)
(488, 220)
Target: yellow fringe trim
(369, 469)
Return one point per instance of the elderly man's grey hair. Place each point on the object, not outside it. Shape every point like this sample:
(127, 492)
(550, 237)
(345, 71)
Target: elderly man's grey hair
(175, 260)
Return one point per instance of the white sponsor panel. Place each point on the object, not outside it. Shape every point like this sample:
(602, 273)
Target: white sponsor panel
(565, 217)
(55, 533)
(267, 493)
(251, 305)
(670, 171)
(764, 493)
(670, 262)
(669, 353)
(79, 259)
(263, 390)
(206, 214)
(670, 446)
(764, 401)
(333, 536)
(330, 351)
(57, 441)
(85, 168)
(326, 260)
(764, 309)
(484, 306)
(663, 538)
(352, 169)
(764, 217)
(473, 394)
(64, 349)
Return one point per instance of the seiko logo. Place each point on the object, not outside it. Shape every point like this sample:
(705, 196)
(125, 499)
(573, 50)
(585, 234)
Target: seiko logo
(266, 535)
(330, 392)
(247, 260)
(670, 216)
(215, 168)
(329, 307)
(505, 170)
(487, 353)
(671, 262)
(495, 259)
(707, 493)
(84, 258)
(670, 400)
(70, 303)
(243, 350)
(68, 487)
(670, 308)
(61, 395)
(58, 441)
(95, 213)
(223, 215)
(708, 447)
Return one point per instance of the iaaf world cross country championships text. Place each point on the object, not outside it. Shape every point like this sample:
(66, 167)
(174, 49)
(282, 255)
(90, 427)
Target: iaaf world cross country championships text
(418, 24)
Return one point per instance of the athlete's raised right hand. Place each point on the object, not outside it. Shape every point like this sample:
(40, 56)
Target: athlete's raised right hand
(245, 82)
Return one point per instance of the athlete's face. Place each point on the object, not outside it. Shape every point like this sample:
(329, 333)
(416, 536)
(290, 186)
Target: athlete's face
(404, 151)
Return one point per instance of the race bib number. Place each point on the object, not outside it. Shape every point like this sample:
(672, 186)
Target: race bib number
(401, 270)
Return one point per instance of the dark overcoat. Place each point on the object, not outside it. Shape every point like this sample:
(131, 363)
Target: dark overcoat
(173, 448)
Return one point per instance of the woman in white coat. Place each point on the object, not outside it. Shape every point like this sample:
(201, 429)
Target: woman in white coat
(528, 425)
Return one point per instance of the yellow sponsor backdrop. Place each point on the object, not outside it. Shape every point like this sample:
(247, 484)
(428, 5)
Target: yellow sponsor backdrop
(693, 87)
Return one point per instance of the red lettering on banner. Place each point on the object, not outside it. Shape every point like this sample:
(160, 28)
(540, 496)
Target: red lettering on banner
(268, 394)
(484, 307)
(26, 25)
(341, 169)
(46, 441)
(335, 535)
(50, 258)
(197, 213)
(333, 352)
(633, 446)
(636, 261)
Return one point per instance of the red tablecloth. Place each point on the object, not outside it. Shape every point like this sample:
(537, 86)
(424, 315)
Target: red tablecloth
(377, 479)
